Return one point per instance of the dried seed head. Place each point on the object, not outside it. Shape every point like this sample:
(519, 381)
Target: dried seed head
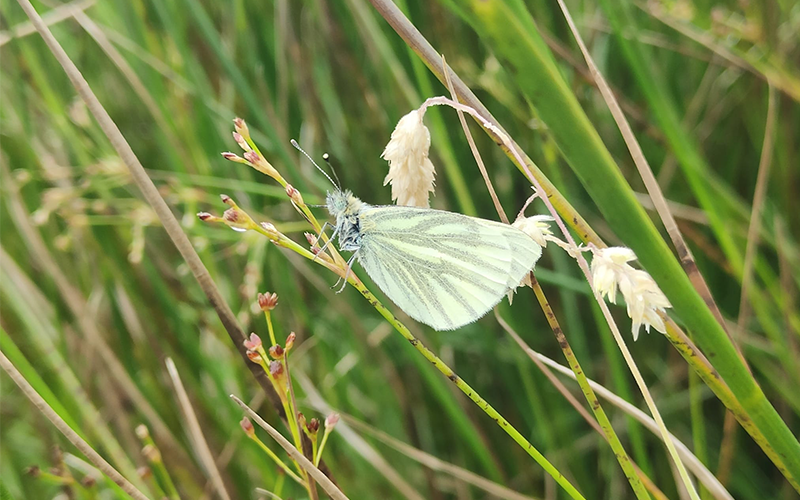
(411, 172)
(247, 427)
(267, 301)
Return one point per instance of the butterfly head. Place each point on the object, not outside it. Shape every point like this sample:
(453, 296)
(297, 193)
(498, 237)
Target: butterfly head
(342, 203)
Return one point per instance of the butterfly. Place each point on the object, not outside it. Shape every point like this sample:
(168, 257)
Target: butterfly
(443, 269)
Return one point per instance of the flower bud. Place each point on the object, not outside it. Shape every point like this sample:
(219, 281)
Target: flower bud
(207, 217)
(276, 352)
(331, 421)
(142, 432)
(276, 369)
(254, 356)
(88, 482)
(237, 219)
(241, 127)
(267, 301)
(233, 157)
(241, 142)
(294, 194)
(260, 164)
(144, 473)
(271, 231)
(247, 427)
(253, 343)
(151, 453)
(278, 375)
(290, 341)
(313, 425)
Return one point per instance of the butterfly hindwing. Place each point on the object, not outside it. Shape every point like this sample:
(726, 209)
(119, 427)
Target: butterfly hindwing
(442, 268)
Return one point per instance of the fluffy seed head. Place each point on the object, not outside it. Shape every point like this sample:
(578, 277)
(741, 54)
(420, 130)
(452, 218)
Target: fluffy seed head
(411, 172)
(643, 298)
(536, 227)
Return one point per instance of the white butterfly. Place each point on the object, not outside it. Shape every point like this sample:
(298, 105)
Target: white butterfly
(442, 268)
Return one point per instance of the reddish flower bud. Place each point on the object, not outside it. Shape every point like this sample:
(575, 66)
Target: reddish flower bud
(254, 356)
(241, 142)
(252, 157)
(313, 425)
(331, 421)
(276, 369)
(290, 341)
(267, 301)
(227, 200)
(233, 157)
(271, 231)
(262, 165)
(276, 352)
(33, 471)
(294, 194)
(205, 216)
(241, 128)
(253, 343)
(88, 482)
(247, 427)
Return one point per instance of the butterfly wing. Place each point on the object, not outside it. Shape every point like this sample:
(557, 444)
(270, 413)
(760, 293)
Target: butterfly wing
(442, 268)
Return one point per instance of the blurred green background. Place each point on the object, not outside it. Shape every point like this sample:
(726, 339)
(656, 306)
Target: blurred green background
(333, 75)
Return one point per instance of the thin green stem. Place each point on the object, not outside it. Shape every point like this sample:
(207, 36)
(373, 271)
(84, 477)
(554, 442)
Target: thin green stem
(280, 463)
(272, 340)
(318, 454)
(602, 419)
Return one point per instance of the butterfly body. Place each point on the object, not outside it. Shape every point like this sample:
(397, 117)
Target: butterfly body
(443, 269)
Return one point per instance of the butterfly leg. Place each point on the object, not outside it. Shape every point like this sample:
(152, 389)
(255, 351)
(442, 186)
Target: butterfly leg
(346, 273)
(322, 231)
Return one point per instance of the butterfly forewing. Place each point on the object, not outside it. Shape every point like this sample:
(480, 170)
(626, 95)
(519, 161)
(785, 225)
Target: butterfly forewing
(442, 268)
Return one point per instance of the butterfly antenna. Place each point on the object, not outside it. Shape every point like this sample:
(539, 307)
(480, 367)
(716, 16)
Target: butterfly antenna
(327, 158)
(297, 147)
